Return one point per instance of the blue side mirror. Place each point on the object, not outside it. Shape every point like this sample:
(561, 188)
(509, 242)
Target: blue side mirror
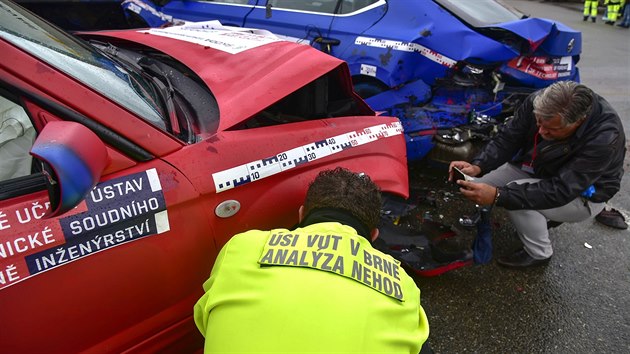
(77, 158)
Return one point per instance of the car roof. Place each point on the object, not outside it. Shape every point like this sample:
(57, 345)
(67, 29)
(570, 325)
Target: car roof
(245, 76)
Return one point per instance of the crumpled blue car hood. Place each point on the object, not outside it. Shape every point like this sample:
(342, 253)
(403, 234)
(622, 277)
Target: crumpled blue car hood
(538, 30)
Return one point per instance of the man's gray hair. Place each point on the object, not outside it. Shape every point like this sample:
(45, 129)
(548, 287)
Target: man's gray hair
(570, 100)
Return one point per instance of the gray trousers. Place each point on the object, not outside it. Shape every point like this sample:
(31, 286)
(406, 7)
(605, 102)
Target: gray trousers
(531, 225)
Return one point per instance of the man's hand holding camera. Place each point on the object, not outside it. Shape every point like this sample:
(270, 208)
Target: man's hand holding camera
(480, 193)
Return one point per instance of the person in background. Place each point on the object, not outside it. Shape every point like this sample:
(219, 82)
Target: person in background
(612, 11)
(319, 288)
(590, 10)
(559, 159)
(625, 18)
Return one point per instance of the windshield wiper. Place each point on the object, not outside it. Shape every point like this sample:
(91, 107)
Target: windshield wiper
(150, 70)
(167, 91)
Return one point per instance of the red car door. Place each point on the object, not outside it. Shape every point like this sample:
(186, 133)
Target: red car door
(120, 271)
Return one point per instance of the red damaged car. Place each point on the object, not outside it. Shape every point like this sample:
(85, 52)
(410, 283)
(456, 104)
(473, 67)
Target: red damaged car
(128, 158)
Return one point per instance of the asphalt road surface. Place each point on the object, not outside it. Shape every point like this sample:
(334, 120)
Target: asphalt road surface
(580, 301)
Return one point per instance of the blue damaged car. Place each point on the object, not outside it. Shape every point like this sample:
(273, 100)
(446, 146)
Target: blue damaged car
(451, 70)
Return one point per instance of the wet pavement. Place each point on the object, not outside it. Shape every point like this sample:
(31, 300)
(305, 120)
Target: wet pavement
(580, 301)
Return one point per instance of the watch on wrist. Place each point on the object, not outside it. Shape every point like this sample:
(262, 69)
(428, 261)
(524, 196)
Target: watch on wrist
(496, 197)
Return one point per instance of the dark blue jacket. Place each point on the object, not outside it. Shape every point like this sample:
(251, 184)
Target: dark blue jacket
(593, 155)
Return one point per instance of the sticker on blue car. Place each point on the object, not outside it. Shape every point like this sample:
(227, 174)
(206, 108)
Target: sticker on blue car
(407, 47)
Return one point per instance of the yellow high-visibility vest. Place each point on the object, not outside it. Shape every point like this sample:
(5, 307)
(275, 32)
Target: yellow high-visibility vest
(320, 288)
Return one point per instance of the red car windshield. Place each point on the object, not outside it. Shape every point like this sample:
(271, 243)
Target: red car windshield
(82, 62)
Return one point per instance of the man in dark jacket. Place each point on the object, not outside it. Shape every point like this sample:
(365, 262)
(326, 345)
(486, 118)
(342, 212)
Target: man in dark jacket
(559, 159)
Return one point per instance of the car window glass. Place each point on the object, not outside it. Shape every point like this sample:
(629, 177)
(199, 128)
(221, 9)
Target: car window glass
(481, 12)
(323, 6)
(17, 135)
(240, 2)
(80, 61)
(349, 6)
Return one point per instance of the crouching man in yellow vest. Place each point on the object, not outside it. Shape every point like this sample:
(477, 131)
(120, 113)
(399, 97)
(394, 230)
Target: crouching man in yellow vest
(319, 288)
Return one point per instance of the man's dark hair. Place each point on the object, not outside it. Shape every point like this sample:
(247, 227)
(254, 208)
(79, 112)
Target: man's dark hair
(570, 100)
(343, 189)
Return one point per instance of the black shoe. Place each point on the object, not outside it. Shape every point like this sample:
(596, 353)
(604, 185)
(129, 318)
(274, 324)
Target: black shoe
(610, 23)
(585, 18)
(612, 218)
(521, 259)
(594, 19)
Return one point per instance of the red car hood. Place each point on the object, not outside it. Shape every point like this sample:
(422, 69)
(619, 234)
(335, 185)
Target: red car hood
(231, 64)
